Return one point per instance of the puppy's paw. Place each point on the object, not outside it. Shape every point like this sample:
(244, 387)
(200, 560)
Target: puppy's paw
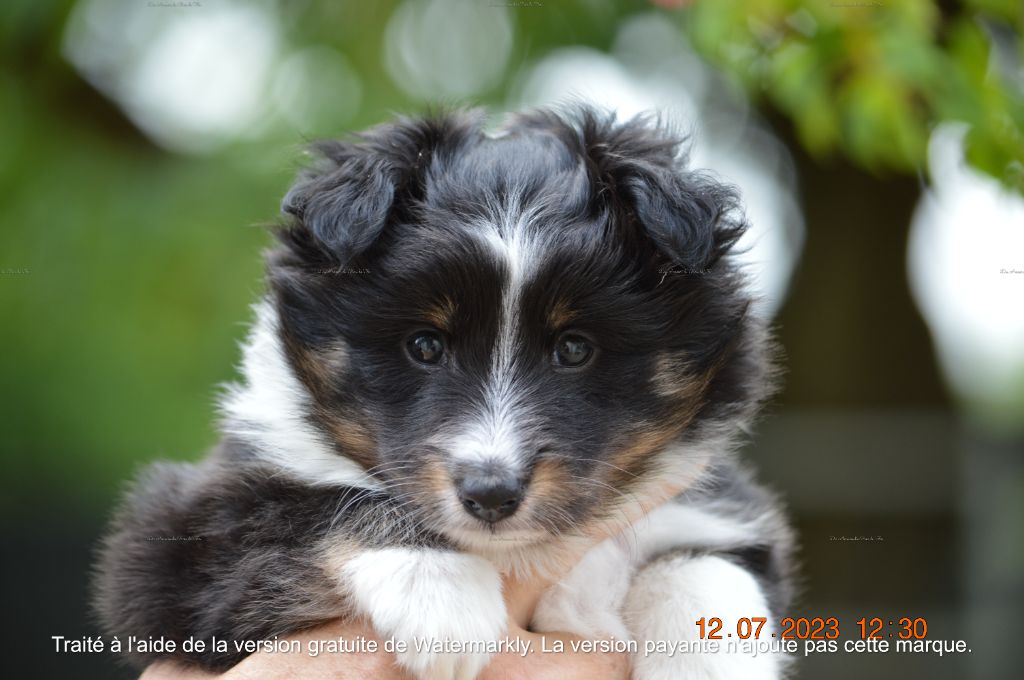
(671, 593)
(426, 598)
(588, 602)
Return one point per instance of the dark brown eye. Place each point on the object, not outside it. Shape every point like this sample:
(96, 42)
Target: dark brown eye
(572, 350)
(425, 347)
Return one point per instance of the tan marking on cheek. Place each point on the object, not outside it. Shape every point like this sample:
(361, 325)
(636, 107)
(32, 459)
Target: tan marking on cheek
(436, 477)
(673, 378)
(642, 443)
(549, 479)
(639, 449)
(550, 484)
(352, 435)
(354, 440)
(624, 496)
(645, 440)
(321, 369)
(441, 314)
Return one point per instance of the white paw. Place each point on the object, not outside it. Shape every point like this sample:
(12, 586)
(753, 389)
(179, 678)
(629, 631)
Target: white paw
(588, 602)
(424, 597)
(669, 595)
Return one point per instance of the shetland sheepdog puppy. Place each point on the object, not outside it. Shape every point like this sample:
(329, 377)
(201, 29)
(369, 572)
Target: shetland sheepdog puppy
(476, 346)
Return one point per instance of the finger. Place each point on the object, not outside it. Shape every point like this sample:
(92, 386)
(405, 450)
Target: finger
(521, 596)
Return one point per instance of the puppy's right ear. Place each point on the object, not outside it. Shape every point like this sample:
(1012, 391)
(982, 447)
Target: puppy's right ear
(346, 198)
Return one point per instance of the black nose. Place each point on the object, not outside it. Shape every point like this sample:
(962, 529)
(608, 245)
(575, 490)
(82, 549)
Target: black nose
(490, 498)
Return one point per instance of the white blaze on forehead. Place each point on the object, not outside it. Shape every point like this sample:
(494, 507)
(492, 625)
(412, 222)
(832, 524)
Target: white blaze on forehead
(494, 434)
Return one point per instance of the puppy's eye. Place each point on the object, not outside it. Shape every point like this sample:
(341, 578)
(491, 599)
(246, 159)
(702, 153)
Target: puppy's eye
(425, 347)
(572, 350)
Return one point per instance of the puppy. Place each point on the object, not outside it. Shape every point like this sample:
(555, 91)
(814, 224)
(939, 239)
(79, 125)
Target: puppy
(476, 349)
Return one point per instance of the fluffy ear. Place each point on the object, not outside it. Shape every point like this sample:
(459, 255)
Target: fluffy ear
(690, 217)
(344, 201)
(693, 220)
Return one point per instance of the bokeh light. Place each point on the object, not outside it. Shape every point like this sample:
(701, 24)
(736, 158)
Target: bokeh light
(191, 80)
(966, 265)
(437, 49)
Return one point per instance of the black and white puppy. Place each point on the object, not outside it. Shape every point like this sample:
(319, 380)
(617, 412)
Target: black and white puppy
(476, 348)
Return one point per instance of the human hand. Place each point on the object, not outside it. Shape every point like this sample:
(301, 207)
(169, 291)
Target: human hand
(521, 597)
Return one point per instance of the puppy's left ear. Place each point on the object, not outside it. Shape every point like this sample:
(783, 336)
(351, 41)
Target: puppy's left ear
(344, 201)
(691, 218)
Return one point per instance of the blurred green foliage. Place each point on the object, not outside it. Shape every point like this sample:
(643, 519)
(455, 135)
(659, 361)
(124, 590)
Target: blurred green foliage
(126, 269)
(127, 272)
(872, 78)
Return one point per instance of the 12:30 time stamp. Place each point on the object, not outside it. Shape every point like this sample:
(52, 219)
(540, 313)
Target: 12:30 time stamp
(816, 628)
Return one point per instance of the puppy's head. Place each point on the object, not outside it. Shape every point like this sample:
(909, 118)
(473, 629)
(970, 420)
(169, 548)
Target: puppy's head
(515, 333)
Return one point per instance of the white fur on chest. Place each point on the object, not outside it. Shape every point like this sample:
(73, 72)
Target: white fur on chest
(610, 593)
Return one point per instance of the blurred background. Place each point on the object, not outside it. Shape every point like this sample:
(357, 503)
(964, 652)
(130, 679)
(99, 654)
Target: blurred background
(879, 146)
